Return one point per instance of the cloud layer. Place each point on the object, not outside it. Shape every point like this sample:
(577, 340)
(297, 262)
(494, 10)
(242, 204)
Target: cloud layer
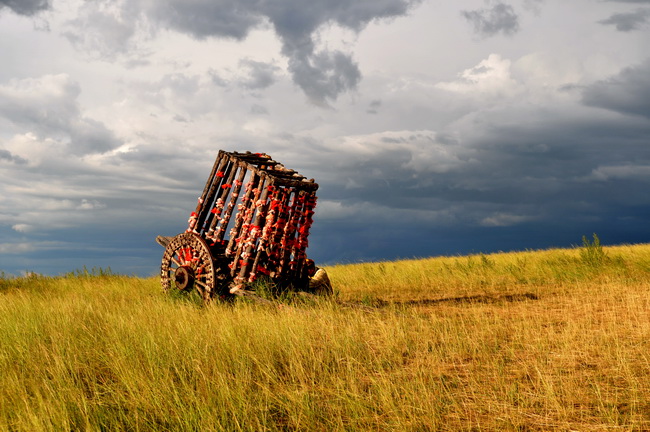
(500, 18)
(466, 127)
(628, 21)
(25, 7)
(627, 93)
(109, 27)
(48, 108)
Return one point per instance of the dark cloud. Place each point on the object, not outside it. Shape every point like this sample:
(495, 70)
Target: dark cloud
(628, 92)
(259, 110)
(107, 29)
(518, 176)
(324, 75)
(203, 19)
(89, 136)
(216, 79)
(533, 5)
(48, 107)
(321, 74)
(46, 103)
(501, 18)
(628, 21)
(505, 185)
(258, 75)
(373, 106)
(7, 156)
(25, 7)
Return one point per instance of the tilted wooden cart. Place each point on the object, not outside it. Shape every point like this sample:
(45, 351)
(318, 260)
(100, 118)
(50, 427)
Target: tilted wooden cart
(252, 220)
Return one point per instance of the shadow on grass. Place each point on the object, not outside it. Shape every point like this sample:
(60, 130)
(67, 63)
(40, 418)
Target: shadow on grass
(474, 299)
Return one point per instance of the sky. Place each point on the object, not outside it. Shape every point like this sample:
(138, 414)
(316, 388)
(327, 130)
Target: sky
(432, 127)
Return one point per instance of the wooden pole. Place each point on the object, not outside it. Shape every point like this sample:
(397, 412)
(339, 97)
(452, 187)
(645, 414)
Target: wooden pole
(275, 246)
(243, 234)
(288, 237)
(221, 196)
(258, 207)
(225, 219)
(204, 206)
(271, 203)
(241, 210)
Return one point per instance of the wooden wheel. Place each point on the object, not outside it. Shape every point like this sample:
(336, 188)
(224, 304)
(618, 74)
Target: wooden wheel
(186, 264)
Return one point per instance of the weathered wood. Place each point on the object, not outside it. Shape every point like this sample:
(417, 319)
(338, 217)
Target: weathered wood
(204, 206)
(239, 219)
(244, 234)
(223, 223)
(263, 230)
(208, 184)
(215, 202)
(289, 237)
(255, 218)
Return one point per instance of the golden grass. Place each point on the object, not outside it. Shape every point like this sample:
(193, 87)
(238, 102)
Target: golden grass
(515, 341)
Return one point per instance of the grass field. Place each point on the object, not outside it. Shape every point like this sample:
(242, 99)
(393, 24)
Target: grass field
(539, 340)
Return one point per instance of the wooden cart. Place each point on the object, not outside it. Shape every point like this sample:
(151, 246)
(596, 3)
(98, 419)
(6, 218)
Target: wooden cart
(252, 220)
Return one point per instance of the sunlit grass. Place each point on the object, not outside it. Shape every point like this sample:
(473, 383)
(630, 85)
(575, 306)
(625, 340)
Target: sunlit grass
(542, 340)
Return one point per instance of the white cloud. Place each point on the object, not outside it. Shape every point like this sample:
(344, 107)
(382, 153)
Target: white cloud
(47, 107)
(504, 220)
(622, 172)
(491, 77)
(17, 248)
(23, 228)
(90, 205)
(548, 71)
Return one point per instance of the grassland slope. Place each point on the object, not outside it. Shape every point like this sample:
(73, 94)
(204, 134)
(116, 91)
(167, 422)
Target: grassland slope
(538, 340)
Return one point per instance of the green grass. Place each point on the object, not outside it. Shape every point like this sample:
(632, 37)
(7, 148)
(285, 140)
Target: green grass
(539, 340)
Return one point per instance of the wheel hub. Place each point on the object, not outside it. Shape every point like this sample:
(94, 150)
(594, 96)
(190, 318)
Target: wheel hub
(184, 278)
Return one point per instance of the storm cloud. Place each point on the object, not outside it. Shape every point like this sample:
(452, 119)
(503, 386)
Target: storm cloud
(47, 106)
(322, 74)
(451, 138)
(7, 156)
(500, 18)
(628, 21)
(259, 75)
(25, 7)
(627, 93)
